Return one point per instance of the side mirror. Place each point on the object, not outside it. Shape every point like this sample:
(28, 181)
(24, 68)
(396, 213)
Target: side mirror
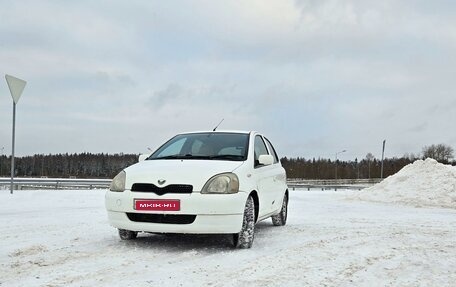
(142, 157)
(265, 159)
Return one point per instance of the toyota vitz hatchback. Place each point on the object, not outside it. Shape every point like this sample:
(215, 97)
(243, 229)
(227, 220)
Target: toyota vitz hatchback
(201, 182)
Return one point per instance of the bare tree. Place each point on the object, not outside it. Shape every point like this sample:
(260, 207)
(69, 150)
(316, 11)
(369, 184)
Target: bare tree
(440, 152)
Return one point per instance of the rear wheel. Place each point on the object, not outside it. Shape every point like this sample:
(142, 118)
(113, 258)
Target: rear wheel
(281, 218)
(244, 239)
(127, 234)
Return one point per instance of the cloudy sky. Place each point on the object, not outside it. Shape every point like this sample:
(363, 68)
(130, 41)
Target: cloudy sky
(316, 77)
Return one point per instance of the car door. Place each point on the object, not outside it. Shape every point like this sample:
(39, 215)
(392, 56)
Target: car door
(264, 176)
(279, 177)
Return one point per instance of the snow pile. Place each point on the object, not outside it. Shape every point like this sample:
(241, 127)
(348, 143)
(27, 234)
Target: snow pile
(422, 183)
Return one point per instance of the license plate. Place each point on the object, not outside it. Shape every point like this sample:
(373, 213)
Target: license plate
(157, 204)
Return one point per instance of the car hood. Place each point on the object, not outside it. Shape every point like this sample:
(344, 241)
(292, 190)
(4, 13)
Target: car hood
(177, 171)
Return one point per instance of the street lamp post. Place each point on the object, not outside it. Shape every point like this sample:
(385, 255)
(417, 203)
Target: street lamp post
(336, 161)
(383, 154)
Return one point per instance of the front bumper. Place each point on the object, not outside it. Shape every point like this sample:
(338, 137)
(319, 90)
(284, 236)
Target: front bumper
(215, 213)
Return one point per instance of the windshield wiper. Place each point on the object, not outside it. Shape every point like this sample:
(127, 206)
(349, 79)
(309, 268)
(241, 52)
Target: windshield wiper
(187, 156)
(227, 157)
(176, 156)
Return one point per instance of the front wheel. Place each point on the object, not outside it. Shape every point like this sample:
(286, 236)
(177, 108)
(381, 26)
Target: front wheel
(127, 234)
(280, 219)
(244, 239)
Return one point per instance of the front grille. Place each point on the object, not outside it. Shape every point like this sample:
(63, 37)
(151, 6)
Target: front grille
(162, 218)
(172, 188)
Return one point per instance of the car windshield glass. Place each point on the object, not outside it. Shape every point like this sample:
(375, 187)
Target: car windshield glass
(210, 146)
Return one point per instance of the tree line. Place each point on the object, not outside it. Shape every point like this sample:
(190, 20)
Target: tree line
(87, 165)
(83, 165)
(101, 165)
(326, 168)
(370, 167)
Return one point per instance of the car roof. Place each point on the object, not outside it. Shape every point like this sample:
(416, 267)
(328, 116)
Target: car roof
(219, 131)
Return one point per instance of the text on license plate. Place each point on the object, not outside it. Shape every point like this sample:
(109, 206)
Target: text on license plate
(157, 204)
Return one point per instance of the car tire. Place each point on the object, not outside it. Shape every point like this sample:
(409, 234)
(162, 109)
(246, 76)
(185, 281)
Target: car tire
(244, 239)
(280, 219)
(127, 234)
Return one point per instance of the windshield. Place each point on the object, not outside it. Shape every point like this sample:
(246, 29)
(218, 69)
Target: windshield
(218, 146)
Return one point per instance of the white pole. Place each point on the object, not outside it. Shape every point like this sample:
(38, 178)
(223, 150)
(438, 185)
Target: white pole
(12, 152)
(383, 154)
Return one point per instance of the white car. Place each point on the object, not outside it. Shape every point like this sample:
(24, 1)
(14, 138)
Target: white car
(215, 182)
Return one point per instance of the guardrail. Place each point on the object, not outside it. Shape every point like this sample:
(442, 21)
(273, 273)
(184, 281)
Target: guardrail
(55, 183)
(74, 183)
(364, 181)
(335, 184)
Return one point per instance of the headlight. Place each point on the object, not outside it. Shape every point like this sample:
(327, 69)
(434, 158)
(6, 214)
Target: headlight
(222, 183)
(118, 182)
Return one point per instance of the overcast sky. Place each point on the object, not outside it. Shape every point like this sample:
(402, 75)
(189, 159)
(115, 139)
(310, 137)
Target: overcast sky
(316, 77)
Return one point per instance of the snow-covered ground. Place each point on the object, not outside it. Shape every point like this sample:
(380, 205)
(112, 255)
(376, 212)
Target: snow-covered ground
(62, 238)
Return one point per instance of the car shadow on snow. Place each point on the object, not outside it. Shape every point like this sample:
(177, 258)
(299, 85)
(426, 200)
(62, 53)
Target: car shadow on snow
(183, 241)
(208, 242)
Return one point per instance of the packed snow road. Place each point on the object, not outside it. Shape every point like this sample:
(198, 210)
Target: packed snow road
(61, 238)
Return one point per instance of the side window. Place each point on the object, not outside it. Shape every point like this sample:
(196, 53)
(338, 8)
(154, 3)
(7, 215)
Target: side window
(272, 150)
(260, 148)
